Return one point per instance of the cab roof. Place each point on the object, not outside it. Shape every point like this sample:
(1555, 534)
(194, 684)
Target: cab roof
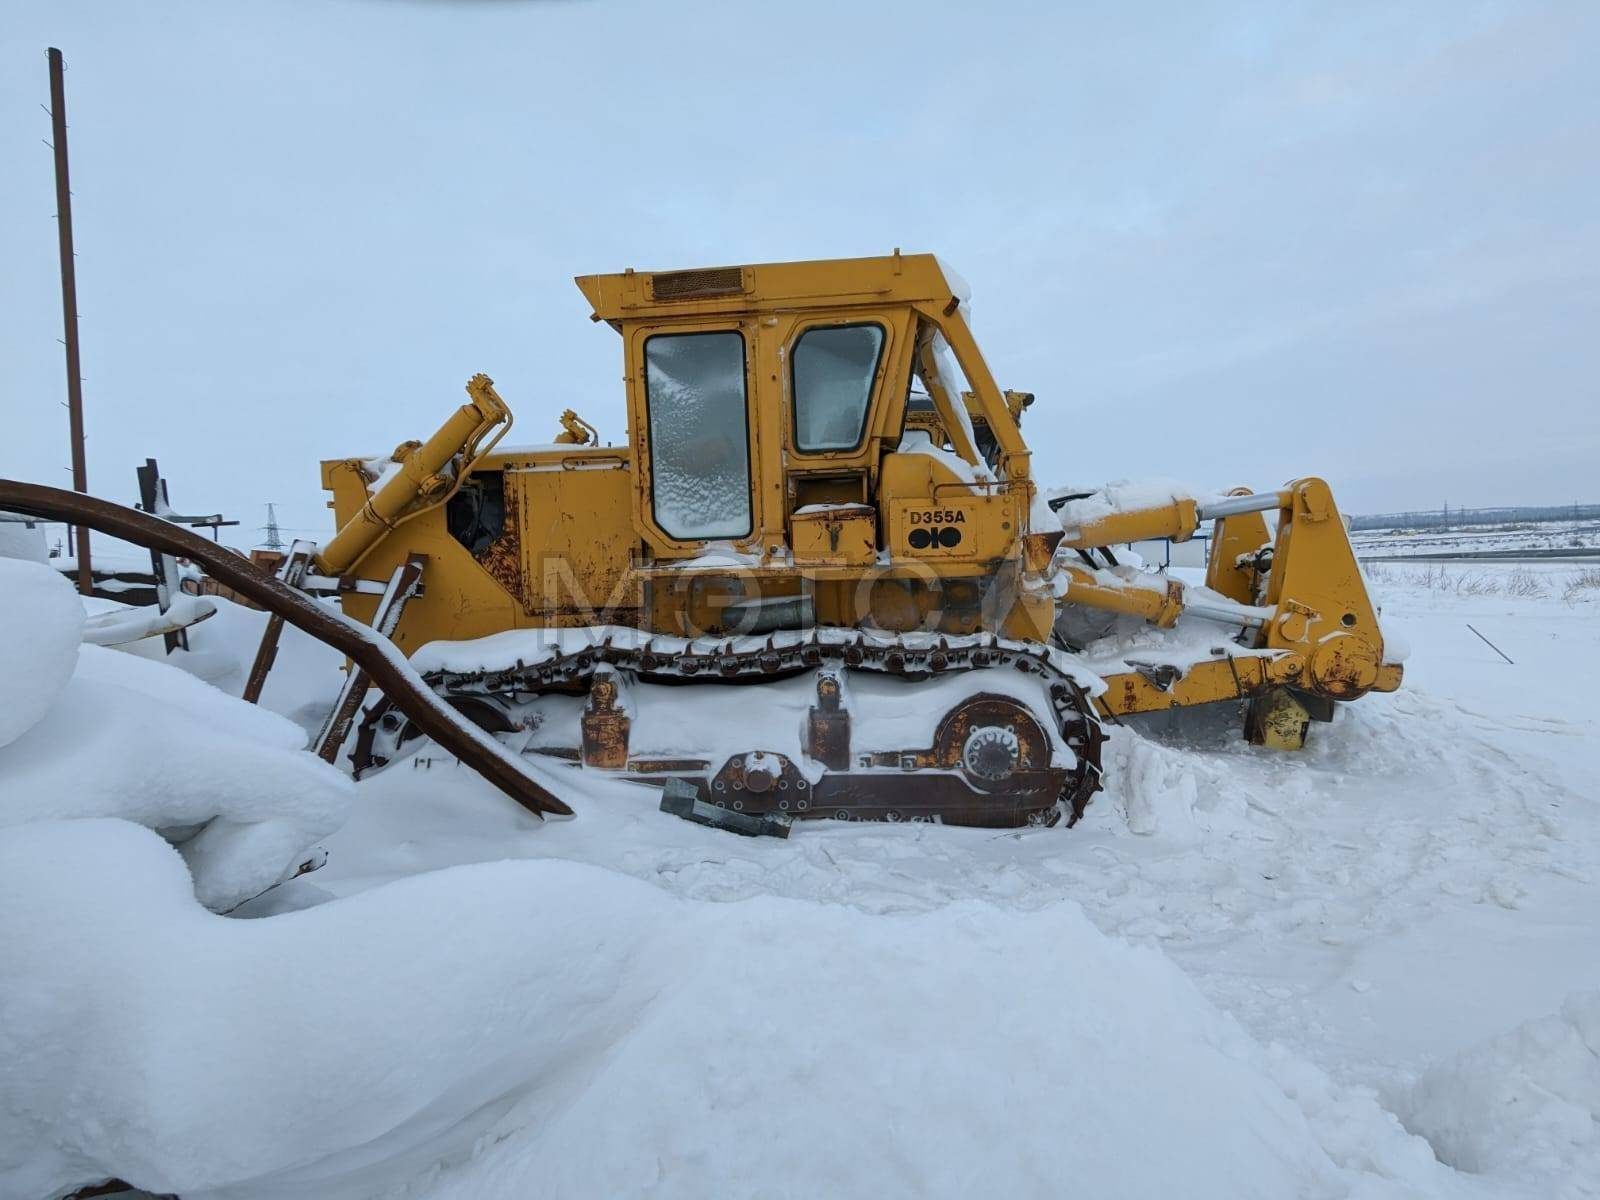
(821, 283)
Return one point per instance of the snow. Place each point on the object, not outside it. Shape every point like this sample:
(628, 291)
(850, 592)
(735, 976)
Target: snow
(1243, 973)
(119, 624)
(91, 732)
(917, 441)
(511, 1051)
(727, 723)
(954, 382)
(20, 540)
(528, 449)
(1535, 538)
(1122, 496)
(107, 555)
(1450, 825)
(1523, 1104)
(716, 553)
(131, 738)
(305, 677)
(1041, 517)
(1136, 643)
(378, 472)
(848, 507)
(953, 279)
(41, 626)
(318, 698)
(500, 651)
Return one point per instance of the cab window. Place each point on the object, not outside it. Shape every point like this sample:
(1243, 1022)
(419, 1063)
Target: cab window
(833, 369)
(699, 434)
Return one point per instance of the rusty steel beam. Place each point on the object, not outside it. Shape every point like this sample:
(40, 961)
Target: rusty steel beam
(69, 301)
(291, 572)
(161, 565)
(402, 587)
(266, 655)
(377, 658)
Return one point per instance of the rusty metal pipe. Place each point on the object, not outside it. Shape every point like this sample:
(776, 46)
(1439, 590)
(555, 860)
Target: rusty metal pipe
(371, 652)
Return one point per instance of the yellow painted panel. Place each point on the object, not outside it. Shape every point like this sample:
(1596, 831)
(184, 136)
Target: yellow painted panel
(577, 532)
(835, 537)
(952, 527)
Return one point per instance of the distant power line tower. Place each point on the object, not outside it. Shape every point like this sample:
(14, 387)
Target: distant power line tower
(274, 539)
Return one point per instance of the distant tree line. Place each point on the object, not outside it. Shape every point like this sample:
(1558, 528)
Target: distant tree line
(1452, 518)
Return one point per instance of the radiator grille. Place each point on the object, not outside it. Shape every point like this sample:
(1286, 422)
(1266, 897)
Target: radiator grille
(693, 285)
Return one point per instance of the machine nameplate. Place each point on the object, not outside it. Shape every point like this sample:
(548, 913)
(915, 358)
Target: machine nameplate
(947, 527)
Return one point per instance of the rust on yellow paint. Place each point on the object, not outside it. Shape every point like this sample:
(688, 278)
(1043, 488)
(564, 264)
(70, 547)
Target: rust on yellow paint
(1235, 544)
(1227, 677)
(1159, 607)
(1278, 720)
(842, 535)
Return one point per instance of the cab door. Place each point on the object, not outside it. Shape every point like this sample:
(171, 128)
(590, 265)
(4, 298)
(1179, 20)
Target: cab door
(838, 371)
(690, 391)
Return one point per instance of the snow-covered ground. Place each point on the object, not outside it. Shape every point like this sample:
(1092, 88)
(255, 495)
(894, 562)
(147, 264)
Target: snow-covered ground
(1533, 537)
(1370, 969)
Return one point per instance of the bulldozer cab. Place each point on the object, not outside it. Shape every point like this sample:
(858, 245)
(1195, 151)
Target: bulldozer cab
(817, 412)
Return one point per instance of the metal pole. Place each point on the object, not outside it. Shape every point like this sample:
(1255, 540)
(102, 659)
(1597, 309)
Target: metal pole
(69, 304)
(1492, 646)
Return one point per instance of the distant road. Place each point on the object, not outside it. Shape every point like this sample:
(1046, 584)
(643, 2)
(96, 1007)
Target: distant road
(1571, 552)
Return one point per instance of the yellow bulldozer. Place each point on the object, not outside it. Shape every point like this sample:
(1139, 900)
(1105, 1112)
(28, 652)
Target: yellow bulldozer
(819, 579)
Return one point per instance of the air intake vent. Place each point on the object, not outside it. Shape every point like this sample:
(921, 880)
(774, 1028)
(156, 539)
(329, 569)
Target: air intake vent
(697, 285)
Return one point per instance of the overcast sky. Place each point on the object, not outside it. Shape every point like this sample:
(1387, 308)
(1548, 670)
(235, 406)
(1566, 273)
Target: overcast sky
(1227, 243)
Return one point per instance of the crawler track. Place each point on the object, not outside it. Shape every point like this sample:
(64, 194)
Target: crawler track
(943, 781)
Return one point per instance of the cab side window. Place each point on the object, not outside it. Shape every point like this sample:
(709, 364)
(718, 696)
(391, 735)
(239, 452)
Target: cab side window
(699, 435)
(833, 369)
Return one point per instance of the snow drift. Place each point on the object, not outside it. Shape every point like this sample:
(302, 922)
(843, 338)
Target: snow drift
(1524, 1105)
(558, 1029)
(18, 540)
(91, 732)
(41, 627)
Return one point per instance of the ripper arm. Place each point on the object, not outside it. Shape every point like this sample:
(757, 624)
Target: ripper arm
(1306, 597)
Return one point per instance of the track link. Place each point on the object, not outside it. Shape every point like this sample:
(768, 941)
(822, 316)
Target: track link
(492, 696)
